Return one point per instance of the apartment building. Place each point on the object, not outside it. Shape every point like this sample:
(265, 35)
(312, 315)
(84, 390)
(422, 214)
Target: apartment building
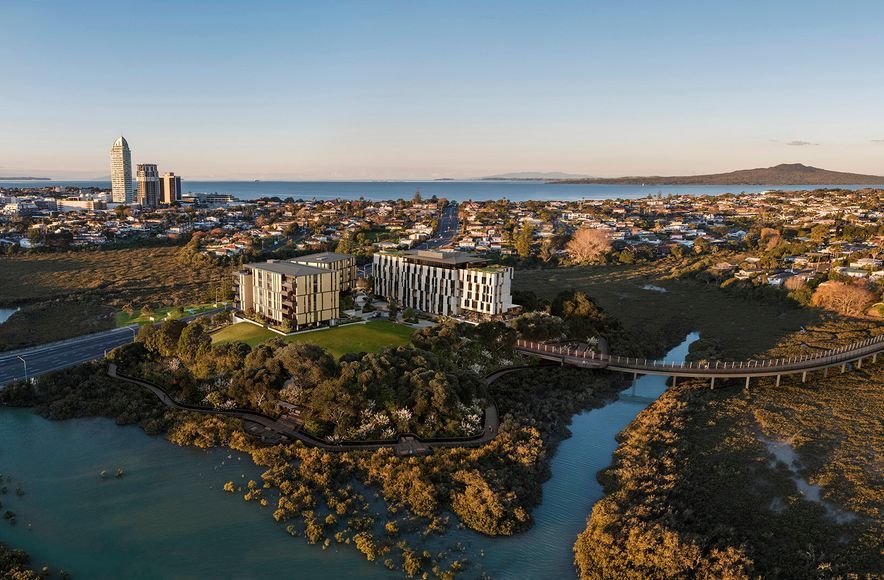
(343, 264)
(444, 283)
(170, 188)
(286, 292)
(148, 185)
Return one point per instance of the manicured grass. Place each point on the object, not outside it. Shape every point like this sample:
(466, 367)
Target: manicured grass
(338, 341)
(123, 319)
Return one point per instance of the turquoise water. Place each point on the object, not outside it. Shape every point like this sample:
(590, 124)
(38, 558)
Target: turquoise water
(454, 190)
(168, 517)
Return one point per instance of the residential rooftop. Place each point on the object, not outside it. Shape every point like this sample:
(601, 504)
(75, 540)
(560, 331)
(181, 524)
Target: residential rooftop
(286, 268)
(323, 257)
(445, 258)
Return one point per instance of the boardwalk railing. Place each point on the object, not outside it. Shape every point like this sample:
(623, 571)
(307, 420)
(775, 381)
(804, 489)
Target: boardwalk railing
(583, 356)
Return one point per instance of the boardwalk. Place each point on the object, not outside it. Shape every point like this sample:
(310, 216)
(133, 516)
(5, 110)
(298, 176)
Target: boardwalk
(581, 355)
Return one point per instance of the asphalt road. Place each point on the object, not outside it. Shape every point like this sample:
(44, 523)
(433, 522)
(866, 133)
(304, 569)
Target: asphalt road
(52, 357)
(59, 355)
(445, 231)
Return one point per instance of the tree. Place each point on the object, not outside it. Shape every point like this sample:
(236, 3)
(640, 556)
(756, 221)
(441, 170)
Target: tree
(849, 299)
(523, 241)
(588, 245)
(701, 245)
(345, 245)
(769, 238)
(548, 249)
(193, 342)
(393, 309)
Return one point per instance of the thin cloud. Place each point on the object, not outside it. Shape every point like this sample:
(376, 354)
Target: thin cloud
(800, 143)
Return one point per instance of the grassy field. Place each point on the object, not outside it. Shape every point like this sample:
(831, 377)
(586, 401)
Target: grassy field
(341, 340)
(743, 327)
(134, 274)
(164, 313)
(71, 293)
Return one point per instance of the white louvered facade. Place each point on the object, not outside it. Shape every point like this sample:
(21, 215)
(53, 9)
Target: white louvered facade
(443, 283)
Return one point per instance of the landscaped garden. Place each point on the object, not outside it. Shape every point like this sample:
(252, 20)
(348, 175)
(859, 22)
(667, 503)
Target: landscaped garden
(369, 337)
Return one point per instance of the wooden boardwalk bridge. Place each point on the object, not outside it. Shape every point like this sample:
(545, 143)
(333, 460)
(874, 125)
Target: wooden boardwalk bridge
(584, 356)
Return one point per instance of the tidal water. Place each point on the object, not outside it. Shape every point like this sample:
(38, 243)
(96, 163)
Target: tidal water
(545, 550)
(453, 190)
(5, 313)
(168, 517)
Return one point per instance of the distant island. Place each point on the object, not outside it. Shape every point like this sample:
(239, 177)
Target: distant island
(783, 174)
(25, 179)
(535, 176)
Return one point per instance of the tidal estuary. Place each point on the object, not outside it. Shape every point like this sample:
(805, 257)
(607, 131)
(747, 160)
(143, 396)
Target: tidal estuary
(167, 516)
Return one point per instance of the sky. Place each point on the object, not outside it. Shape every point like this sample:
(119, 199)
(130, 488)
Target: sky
(376, 89)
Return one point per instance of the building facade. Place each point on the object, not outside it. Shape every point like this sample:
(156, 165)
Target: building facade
(148, 185)
(343, 264)
(288, 293)
(444, 283)
(170, 188)
(121, 172)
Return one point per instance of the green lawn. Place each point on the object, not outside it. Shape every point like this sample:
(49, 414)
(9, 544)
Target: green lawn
(160, 314)
(341, 340)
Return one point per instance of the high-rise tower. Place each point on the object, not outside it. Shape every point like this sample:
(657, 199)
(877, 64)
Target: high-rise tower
(170, 188)
(148, 185)
(121, 172)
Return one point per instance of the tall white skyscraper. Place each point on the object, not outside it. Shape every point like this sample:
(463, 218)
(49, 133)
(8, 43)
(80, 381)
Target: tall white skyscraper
(121, 172)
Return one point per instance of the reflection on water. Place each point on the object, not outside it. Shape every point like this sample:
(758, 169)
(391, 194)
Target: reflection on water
(545, 550)
(168, 516)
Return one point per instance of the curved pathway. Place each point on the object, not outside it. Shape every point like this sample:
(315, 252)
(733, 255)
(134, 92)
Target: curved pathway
(405, 444)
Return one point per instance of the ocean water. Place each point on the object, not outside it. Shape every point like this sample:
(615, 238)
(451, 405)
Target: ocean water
(453, 190)
(168, 517)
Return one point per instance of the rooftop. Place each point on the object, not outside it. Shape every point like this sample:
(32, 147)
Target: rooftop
(286, 268)
(324, 257)
(443, 258)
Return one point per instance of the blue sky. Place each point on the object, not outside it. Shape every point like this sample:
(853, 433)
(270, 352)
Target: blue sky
(418, 89)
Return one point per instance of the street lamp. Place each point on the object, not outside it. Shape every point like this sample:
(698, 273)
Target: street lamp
(26, 367)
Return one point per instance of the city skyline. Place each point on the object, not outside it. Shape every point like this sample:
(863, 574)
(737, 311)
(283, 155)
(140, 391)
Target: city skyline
(396, 90)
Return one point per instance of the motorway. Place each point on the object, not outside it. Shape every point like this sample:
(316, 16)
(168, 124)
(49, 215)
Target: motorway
(58, 355)
(67, 353)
